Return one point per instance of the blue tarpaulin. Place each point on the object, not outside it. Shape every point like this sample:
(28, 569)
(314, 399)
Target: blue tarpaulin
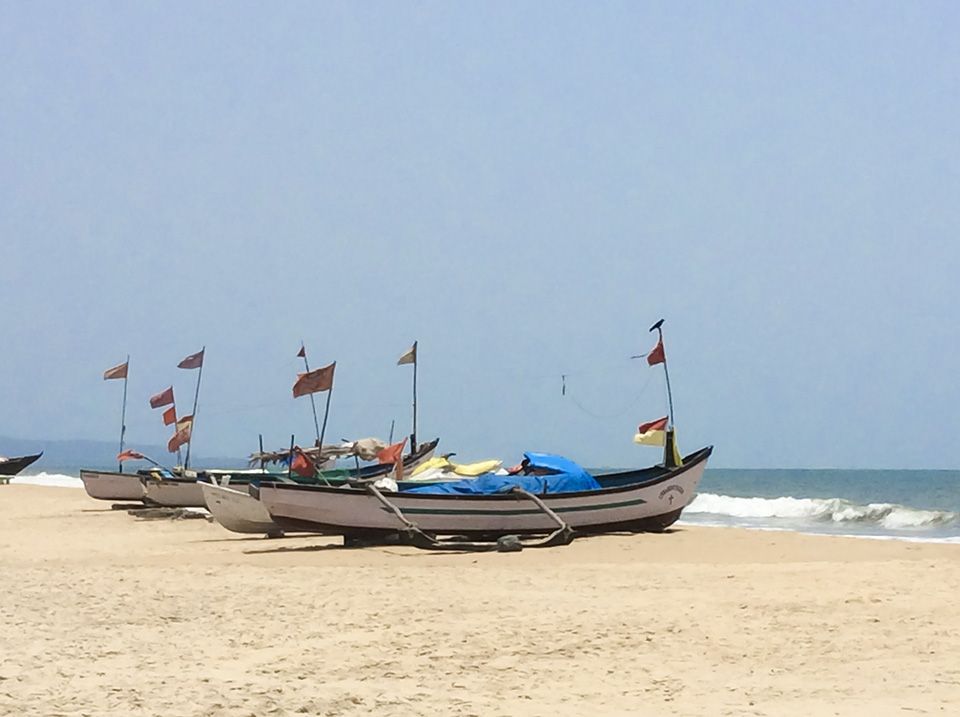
(567, 477)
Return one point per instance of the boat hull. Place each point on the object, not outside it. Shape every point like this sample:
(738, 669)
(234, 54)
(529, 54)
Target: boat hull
(104, 485)
(173, 492)
(238, 511)
(650, 505)
(9, 467)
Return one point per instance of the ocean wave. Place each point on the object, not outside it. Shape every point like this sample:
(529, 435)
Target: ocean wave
(58, 480)
(823, 510)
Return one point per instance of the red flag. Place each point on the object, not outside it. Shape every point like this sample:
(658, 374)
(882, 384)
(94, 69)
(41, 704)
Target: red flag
(164, 398)
(659, 425)
(392, 454)
(656, 356)
(130, 455)
(302, 464)
(302, 353)
(116, 372)
(170, 416)
(320, 379)
(193, 360)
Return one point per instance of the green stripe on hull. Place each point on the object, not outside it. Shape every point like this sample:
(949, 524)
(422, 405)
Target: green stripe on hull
(523, 511)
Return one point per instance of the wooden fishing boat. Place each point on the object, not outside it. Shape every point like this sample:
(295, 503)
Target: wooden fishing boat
(649, 499)
(235, 509)
(172, 492)
(12, 466)
(110, 485)
(188, 492)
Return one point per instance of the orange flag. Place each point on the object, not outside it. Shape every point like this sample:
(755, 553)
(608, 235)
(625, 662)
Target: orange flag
(392, 454)
(656, 356)
(170, 416)
(320, 379)
(130, 455)
(302, 464)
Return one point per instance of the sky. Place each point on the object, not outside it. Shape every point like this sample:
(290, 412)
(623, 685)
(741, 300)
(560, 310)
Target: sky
(524, 188)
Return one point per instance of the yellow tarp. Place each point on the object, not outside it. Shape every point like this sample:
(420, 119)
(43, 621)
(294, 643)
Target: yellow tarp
(461, 469)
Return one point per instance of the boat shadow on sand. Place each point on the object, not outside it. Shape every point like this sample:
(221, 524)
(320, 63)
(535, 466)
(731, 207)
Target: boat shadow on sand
(360, 545)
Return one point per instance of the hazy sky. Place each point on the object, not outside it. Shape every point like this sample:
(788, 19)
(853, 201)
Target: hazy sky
(523, 187)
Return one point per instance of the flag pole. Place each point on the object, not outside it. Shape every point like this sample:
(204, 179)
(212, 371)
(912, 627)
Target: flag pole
(179, 451)
(413, 436)
(666, 373)
(669, 444)
(193, 419)
(290, 460)
(323, 430)
(123, 412)
(313, 404)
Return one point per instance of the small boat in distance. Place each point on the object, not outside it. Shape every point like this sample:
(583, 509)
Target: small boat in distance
(11, 466)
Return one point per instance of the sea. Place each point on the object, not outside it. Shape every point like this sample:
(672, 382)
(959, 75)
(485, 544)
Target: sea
(914, 505)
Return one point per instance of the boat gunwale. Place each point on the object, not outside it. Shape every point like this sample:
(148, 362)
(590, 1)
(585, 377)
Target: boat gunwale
(689, 462)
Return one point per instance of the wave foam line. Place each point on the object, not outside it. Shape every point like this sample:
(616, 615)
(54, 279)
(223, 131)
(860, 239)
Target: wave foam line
(58, 480)
(836, 510)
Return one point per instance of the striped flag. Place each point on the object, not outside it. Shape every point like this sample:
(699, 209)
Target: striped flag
(182, 436)
(653, 433)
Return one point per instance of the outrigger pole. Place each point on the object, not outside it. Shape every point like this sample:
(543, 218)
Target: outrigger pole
(313, 404)
(123, 411)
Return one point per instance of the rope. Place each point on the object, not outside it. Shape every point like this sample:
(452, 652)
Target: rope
(619, 412)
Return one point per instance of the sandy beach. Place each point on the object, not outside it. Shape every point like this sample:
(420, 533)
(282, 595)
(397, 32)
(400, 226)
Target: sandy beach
(105, 614)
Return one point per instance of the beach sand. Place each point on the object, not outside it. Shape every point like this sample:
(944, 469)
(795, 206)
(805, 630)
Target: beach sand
(104, 614)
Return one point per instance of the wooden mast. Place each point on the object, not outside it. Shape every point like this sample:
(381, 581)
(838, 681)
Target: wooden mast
(123, 411)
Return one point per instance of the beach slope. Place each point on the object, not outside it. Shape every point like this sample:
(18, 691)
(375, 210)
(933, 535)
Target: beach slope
(104, 614)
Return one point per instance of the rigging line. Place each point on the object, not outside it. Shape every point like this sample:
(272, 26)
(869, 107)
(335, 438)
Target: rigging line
(633, 402)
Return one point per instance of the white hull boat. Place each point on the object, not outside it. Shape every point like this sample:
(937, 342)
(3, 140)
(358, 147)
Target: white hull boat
(105, 485)
(238, 511)
(173, 493)
(642, 500)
